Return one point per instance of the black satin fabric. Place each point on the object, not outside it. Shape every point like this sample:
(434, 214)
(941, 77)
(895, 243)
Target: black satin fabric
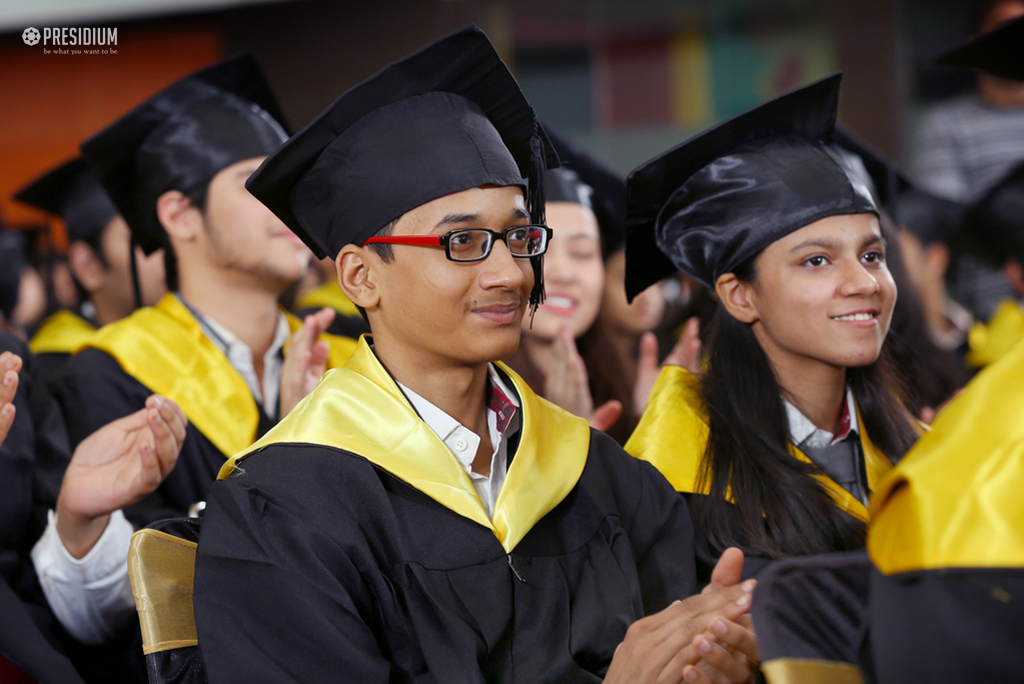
(73, 192)
(814, 607)
(740, 203)
(181, 137)
(395, 159)
(447, 118)
(564, 185)
(716, 200)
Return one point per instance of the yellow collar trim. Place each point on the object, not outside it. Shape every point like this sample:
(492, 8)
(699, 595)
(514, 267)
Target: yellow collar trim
(673, 435)
(164, 348)
(360, 409)
(955, 499)
(61, 333)
(328, 295)
(992, 341)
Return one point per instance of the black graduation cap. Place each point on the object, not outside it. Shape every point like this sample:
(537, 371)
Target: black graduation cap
(180, 138)
(718, 199)
(73, 192)
(447, 118)
(883, 177)
(994, 225)
(999, 51)
(608, 198)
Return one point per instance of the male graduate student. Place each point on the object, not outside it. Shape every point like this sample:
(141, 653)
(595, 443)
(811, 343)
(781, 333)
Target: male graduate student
(423, 516)
(99, 256)
(175, 166)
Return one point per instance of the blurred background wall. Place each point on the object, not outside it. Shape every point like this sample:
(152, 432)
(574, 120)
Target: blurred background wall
(626, 78)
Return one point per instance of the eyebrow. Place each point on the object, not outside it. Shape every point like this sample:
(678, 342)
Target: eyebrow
(453, 219)
(836, 245)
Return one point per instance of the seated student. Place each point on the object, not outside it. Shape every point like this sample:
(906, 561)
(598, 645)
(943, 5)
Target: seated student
(218, 344)
(423, 515)
(573, 277)
(779, 444)
(996, 227)
(99, 258)
(621, 361)
(122, 459)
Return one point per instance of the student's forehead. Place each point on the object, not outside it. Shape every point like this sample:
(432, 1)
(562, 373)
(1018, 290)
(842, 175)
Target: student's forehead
(489, 203)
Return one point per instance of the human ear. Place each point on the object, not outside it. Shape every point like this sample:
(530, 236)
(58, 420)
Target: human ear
(936, 256)
(178, 216)
(85, 266)
(737, 297)
(357, 276)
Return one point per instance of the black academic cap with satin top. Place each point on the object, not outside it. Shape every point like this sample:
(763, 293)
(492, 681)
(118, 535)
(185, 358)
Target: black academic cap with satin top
(180, 138)
(607, 190)
(994, 225)
(708, 205)
(999, 51)
(447, 118)
(73, 192)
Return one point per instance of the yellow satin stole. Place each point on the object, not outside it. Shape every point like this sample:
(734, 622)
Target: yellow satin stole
(327, 295)
(673, 435)
(61, 333)
(957, 498)
(164, 348)
(360, 409)
(989, 342)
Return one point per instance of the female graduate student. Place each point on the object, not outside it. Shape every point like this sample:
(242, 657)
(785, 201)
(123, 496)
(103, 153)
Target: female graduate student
(779, 444)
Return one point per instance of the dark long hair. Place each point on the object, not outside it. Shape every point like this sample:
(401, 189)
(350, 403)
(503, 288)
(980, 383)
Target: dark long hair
(780, 510)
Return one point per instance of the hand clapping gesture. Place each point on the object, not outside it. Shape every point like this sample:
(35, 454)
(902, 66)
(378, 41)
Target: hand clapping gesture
(306, 359)
(116, 466)
(10, 365)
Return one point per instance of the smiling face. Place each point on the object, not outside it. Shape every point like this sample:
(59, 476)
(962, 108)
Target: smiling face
(245, 237)
(440, 312)
(823, 295)
(573, 273)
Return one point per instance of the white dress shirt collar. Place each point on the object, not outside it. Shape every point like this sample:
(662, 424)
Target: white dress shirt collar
(502, 422)
(802, 430)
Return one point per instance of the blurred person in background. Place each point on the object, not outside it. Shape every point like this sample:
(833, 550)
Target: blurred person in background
(547, 358)
(175, 167)
(99, 258)
(963, 147)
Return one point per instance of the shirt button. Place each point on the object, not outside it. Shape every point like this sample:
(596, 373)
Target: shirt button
(461, 444)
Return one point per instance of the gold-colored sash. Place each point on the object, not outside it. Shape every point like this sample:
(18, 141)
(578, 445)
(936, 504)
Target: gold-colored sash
(955, 499)
(164, 348)
(673, 435)
(360, 409)
(61, 333)
(989, 342)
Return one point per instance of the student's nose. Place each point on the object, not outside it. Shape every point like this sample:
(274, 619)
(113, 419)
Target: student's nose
(858, 280)
(501, 269)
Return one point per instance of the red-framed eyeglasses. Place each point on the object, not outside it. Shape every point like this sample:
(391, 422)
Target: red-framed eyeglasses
(474, 244)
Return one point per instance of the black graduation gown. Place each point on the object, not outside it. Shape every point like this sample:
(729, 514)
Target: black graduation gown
(33, 458)
(94, 390)
(315, 563)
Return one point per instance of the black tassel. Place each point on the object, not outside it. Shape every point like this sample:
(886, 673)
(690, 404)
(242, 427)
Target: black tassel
(136, 288)
(535, 204)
